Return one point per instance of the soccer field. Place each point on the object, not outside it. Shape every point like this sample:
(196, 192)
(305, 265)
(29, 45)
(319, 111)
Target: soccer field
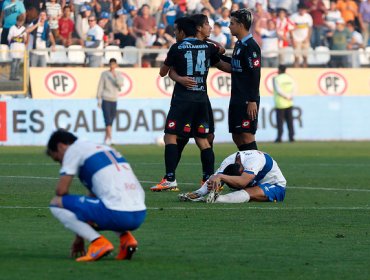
(320, 231)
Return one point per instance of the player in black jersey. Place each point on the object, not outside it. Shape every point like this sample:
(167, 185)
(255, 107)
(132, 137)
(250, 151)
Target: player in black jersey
(245, 82)
(188, 115)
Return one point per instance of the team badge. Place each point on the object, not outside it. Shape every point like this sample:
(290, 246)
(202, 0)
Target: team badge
(254, 54)
(256, 63)
(203, 129)
(238, 51)
(246, 124)
(171, 124)
(187, 128)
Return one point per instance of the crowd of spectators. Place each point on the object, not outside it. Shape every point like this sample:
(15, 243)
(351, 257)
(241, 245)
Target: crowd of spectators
(278, 24)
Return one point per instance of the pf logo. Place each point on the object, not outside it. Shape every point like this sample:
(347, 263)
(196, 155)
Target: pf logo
(60, 83)
(165, 85)
(246, 124)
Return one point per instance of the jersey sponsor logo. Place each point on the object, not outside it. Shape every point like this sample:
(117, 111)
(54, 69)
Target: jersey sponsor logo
(250, 62)
(256, 63)
(246, 124)
(187, 128)
(3, 132)
(171, 124)
(61, 83)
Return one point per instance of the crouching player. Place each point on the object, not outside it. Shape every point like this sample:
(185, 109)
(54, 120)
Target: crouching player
(253, 175)
(115, 201)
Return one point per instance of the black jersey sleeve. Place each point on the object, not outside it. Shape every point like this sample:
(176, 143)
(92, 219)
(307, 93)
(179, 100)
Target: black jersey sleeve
(171, 56)
(215, 57)
(253, 60)
(225, 58)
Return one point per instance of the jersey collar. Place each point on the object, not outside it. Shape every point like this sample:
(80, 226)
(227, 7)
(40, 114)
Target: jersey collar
(245, 39)
(190, 39)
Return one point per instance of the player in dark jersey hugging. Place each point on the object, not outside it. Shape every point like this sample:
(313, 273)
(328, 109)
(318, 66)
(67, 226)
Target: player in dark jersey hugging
(189, 112)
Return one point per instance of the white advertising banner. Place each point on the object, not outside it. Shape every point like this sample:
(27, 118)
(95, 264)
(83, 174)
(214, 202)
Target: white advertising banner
(141, 121)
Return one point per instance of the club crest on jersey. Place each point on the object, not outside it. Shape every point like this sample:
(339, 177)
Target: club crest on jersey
(256, 63)
(254, 54)
(246, 124)
(171, 124)
(238, 51)
(187, 128)
(203, 129)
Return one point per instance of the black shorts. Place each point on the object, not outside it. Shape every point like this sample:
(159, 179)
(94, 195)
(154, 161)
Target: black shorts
(186, 119)
(239, 121)
(109, 112)
(210, 118)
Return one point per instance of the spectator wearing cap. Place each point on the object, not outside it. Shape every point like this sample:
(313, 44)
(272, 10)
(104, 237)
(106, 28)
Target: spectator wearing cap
(340, 38)
(77, 5)
(301, 34)
(317, 10)
(82, 22)
(163, 40)
(106, 24)
(103, 6)
(54, 13)
(145, 27)
(66, 27)
(120, 29)
(94, 40)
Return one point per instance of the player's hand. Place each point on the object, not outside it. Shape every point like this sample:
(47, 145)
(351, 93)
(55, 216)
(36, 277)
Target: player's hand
(252, 110)
(78, 247)
(187, 82)
(213, 182)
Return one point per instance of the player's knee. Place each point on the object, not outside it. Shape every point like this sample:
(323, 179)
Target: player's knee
(56, 202)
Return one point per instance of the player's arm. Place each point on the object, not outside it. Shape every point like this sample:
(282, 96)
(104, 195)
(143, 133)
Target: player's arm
(186, 81)
(168, 63)
(63, 185)
(221, 49)
(237, 182)
(163, 71)
(223, 66)
(254, 55)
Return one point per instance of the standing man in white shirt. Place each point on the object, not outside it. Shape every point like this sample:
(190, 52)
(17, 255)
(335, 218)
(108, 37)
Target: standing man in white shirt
(110, 84)
(94, 40)
(115, 201)
(301, 34)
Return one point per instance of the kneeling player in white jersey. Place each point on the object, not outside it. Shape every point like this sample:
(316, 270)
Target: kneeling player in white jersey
(116, 200)
(253, 175)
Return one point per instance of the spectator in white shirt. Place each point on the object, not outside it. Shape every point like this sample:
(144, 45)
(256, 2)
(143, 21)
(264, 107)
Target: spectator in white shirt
(218, 36)
(355, 43)
(94, 40)
(301, 34)
(270, 45)
(54, 13)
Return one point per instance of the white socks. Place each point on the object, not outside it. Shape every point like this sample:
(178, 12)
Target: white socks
(70, 221)
(203, 190)
(234, 197)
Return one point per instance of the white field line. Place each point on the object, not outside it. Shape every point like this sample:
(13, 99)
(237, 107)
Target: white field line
(190, 163)
(218, 208)
(194, 184)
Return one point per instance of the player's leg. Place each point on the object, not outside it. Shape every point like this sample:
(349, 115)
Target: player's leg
(241, 196)
(242, 128)
(181, 143)
(70, 211)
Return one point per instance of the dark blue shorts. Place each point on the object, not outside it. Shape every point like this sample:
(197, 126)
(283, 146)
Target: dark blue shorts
(273, 192)
(109, 112)
(93, 211)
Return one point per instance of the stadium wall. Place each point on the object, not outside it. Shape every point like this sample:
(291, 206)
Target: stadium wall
(141, 121)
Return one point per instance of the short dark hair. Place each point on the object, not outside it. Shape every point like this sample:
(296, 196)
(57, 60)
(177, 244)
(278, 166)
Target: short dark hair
(232, 170)
(187, 25)
(282, 68)
(112, 60)
(243, 16)
(199, 19)
(60, 136)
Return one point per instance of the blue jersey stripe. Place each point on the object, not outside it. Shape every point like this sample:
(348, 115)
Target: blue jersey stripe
(95, 163)
(266, 169)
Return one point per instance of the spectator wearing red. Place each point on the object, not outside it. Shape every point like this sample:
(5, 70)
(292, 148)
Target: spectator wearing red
(144, 26)
(317, 10)
(66, 27)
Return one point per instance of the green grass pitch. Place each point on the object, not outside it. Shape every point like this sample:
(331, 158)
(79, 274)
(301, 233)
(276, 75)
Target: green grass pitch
(321, 230)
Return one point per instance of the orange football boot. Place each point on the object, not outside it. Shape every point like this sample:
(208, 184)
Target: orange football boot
(128, 246)
(97, 249)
